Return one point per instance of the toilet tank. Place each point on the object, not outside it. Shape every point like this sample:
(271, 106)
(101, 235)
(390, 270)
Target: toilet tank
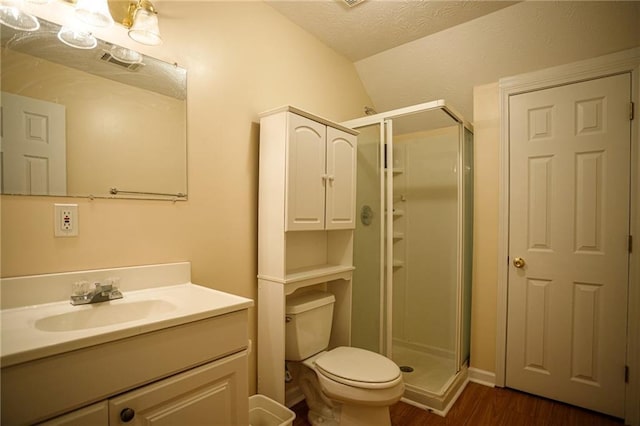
(308, 324)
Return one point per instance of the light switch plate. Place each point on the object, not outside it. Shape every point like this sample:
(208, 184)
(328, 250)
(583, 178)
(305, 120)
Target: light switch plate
(65, 220)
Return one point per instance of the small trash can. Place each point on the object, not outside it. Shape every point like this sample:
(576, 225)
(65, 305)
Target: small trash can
(264, 411)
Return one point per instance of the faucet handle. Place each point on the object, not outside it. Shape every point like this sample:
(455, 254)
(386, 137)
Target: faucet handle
(80, 288)
(106, 286)
(114, 292)
(112, 283)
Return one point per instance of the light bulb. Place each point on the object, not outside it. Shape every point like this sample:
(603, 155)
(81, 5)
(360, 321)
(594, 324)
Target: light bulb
(94, 12)
(12, 16)
(145, 28)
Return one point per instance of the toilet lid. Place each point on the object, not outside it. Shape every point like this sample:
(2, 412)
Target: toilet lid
(354, 365)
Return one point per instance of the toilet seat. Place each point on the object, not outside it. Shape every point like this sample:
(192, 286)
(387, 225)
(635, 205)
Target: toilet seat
(358, 368)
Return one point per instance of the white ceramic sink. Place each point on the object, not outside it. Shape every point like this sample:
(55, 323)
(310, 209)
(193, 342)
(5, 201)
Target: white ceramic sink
(36, 331)
(104, 314)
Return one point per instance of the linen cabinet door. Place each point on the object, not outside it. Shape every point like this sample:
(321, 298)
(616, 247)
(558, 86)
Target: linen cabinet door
(306, 176)
(213, 394)
(342, 154)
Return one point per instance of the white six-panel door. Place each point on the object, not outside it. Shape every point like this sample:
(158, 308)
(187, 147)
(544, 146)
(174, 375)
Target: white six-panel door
(33, 146)
(568, 242)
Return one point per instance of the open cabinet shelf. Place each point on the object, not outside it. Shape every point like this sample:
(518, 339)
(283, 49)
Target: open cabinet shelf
(318, 272)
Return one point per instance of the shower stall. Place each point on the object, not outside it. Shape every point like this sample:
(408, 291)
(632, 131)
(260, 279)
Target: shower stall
(413, 246)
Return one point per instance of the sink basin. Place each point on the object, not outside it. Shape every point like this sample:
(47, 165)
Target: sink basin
(36, 331)
(103, 314)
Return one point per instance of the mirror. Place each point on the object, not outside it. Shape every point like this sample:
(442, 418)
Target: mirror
(95, 122)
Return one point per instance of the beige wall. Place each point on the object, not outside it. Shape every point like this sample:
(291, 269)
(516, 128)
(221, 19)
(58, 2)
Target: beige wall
(485, 228)
(242, 58)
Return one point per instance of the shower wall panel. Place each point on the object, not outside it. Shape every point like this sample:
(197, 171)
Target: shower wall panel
(425, 286)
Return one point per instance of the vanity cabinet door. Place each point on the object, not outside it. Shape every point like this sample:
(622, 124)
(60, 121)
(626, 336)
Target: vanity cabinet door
(94, 415)
(213, 394)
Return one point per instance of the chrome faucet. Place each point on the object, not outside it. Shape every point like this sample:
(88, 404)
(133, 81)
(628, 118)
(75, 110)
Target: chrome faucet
(83, 294)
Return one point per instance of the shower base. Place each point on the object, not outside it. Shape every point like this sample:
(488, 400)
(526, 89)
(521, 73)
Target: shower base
(432, 373)
(434, 383)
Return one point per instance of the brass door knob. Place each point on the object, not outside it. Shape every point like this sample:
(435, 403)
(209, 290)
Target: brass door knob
(518, 262)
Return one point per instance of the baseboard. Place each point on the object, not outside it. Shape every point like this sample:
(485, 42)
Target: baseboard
(293, 395)
(482, 377)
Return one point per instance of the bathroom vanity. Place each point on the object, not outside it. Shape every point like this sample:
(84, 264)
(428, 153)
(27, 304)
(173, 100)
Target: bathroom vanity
(306, 219)
(169, 351)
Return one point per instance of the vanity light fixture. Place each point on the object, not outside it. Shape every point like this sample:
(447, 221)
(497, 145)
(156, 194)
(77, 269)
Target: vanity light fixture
(142, 21)
(94, 12)
(11, 15)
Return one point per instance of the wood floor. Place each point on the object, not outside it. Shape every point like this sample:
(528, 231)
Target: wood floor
(484, 406)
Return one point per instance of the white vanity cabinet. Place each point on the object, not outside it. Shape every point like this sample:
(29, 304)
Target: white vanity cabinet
(306, 217)
(319, 165)
(206, 395)
(168, 352)
(194, 373)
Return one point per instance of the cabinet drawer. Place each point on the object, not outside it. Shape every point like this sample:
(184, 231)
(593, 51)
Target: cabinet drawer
(94, 415)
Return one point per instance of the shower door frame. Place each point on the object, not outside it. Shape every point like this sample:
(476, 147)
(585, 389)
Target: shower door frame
(385, 121)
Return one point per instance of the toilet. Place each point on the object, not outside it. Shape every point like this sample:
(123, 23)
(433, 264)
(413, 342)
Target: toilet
(342, 386)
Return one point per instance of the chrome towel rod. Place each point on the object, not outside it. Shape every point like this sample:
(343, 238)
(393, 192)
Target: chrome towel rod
(116, 191)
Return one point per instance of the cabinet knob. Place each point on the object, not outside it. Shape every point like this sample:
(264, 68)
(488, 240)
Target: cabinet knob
(127, 414)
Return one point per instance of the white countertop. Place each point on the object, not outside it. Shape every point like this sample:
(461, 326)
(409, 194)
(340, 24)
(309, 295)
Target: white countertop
(23, 340)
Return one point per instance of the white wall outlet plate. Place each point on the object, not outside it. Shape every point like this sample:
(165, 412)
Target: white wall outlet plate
(65, 220)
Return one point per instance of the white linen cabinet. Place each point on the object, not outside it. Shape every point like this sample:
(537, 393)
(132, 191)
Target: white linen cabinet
(306, 217)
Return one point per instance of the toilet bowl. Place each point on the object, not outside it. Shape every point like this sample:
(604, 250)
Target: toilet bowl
(342, 386)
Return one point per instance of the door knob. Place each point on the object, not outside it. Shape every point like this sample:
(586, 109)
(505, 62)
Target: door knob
(518, 262)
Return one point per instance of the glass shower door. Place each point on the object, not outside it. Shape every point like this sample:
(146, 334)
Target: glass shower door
(425, 248)
(367, 319)
(412, 246)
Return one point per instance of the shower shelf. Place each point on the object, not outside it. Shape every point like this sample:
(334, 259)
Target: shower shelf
(397, 236)
(397, 170)
(398, 263)
(398, 213)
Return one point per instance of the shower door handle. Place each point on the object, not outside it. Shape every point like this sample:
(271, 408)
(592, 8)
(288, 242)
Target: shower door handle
(519, 262)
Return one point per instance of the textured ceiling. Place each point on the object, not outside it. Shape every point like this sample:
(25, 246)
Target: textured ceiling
(522, 38)
(374, 26)
(408, 52)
